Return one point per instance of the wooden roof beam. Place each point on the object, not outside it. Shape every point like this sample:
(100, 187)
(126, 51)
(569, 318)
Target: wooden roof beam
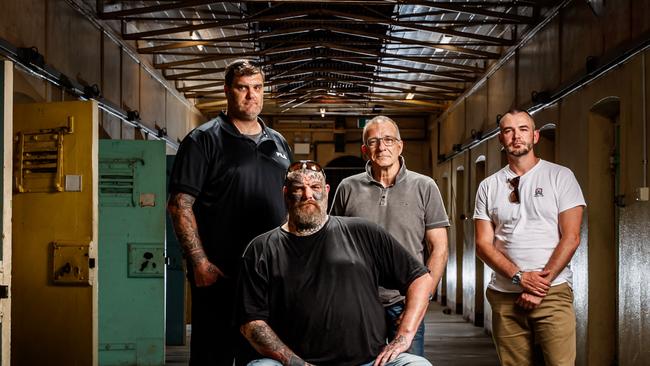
(417, 42)
(441, 30)
(149, 9)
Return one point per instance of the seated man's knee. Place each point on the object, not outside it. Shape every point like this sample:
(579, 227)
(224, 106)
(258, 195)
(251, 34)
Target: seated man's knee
(407, 359)
(264, 362)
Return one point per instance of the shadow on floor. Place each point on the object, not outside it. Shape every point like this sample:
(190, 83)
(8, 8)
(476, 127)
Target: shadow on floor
(449, 341)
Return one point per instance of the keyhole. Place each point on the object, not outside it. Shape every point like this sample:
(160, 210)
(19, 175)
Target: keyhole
(147, 256)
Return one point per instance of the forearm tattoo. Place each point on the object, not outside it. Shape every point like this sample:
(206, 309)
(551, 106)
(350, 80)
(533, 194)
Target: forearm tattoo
(399, 341)
(180, 209)
(266, 342)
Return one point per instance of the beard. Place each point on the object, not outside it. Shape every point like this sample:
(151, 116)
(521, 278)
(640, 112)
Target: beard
(307, 216)
(519, 151)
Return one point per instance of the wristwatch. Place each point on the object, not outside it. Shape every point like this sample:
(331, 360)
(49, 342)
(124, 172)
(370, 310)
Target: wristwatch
(516, 278)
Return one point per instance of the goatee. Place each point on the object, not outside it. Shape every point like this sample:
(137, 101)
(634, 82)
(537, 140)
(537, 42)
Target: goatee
(520, 152)
(307, 220)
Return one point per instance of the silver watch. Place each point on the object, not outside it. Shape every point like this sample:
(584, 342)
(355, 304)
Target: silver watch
(516, 278)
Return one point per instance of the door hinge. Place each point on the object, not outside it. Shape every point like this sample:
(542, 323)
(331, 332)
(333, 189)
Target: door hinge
(4, 292)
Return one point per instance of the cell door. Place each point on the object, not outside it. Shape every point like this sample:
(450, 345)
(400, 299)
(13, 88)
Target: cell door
(54, 292)
(132, 250)
(6, 109)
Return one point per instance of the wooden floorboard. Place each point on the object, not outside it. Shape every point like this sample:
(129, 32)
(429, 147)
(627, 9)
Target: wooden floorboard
(449, 340)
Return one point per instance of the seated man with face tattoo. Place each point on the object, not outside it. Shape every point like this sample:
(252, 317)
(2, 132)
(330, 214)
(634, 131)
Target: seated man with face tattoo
(308, 289)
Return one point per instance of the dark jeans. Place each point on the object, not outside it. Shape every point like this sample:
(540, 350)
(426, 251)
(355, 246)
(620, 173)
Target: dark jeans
(215, 339)
(393, 313)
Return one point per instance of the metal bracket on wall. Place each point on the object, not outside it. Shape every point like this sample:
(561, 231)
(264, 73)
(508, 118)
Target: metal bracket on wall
(30, 60)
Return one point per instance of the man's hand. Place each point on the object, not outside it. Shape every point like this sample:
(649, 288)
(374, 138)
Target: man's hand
(528, 301)
(536, 283)
(392, 350)
(206, 273)
(415, 305)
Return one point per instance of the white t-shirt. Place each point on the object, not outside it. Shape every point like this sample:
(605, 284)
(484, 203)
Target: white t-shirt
(528, 232)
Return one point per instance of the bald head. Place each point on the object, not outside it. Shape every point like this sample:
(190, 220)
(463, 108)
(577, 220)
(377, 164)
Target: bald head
(517, 134)
(519, 114)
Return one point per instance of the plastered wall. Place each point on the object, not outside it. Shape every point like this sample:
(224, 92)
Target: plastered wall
(551, 60)
(85, 53)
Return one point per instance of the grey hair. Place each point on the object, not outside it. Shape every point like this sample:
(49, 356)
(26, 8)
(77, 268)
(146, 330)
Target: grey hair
(377, 120)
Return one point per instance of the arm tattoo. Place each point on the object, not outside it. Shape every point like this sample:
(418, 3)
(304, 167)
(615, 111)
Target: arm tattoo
(180, 209)
(266, 342)
(399, 341)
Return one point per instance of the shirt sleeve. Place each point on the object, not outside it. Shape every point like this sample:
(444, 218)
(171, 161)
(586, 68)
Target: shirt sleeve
(252, 288)
(435, 215)
(190, 167)
(340, 198)
(569, 192)
(397, 267)
(480, 208)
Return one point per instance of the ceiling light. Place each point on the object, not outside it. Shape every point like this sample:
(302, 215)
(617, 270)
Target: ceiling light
(195, 36)
(445, 39)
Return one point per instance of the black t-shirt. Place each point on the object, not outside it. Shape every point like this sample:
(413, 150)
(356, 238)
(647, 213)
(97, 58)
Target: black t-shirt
(237, 184)
(319, 292)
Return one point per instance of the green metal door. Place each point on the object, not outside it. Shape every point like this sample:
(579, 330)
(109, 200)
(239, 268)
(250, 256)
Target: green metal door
(175, 281)
(132, 252)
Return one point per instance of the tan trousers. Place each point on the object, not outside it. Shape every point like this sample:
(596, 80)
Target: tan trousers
(552, 325)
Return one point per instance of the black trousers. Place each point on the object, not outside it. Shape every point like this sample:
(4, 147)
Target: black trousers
(214, 337)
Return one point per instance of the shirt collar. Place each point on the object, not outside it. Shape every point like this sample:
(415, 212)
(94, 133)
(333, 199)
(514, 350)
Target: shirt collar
(400, 175)
(231, 129)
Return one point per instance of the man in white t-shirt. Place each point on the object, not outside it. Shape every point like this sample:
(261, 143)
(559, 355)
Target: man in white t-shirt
(527, 224)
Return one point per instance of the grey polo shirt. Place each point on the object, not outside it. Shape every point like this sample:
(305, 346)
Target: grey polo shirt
(407, 209)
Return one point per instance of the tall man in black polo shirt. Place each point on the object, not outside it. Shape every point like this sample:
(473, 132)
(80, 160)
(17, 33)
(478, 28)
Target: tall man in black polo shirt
(226, 188)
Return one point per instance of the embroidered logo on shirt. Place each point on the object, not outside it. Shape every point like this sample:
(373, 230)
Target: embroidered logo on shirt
(539, 192)
(281, 155)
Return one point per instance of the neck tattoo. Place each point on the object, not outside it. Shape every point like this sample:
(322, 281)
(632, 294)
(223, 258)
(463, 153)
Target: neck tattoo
(311, 230)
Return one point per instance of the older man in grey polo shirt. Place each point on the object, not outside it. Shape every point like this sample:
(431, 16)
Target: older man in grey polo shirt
(405, 203)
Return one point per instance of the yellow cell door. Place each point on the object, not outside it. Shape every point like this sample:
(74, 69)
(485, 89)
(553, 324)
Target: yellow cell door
(54, 287)
(6, 109)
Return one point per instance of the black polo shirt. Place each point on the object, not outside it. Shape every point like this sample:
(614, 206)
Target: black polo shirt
(237, 184)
